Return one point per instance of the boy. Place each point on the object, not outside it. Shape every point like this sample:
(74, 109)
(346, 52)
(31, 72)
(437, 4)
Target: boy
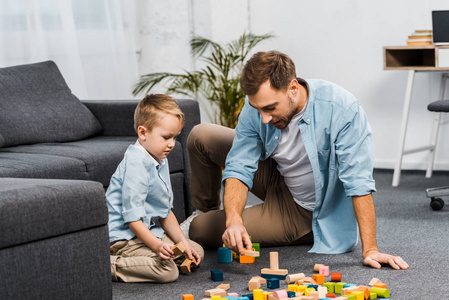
(140, 194)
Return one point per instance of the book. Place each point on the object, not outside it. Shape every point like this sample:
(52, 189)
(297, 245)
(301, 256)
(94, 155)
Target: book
(420, 38)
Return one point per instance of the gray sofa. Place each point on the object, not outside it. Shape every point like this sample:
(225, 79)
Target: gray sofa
(57, 155)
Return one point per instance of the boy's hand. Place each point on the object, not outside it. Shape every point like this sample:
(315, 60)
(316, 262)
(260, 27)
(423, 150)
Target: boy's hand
(165, 251)
(191, 252)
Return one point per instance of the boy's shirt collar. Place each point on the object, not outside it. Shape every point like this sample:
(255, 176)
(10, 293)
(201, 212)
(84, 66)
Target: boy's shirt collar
(140, 147)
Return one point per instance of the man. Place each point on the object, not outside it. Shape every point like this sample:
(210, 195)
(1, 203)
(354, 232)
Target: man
(303, 147)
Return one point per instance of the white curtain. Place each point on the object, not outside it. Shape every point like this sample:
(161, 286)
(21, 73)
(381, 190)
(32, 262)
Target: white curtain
(91, 41)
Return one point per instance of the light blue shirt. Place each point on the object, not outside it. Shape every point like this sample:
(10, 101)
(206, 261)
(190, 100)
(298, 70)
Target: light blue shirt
(140, 189)
(338, 141)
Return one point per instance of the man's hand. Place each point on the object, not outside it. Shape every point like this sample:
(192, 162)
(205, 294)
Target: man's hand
(234, 237)
(375, 259)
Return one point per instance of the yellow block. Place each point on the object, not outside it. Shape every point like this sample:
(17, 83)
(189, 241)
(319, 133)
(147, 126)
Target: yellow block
(292, 287)
(359, 295)
(258, 294)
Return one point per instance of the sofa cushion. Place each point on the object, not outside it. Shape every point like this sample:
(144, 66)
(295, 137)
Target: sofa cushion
(36, 106)
(95, 159)
(35, 209)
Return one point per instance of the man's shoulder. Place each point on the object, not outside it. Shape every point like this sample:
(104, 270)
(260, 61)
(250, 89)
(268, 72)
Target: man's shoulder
(327, 91)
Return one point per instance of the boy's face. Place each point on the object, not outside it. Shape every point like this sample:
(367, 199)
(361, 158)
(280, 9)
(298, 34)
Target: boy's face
(161, 139)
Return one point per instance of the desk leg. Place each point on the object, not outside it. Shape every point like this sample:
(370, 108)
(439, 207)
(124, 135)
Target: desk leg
(404, 122)
(436, 128)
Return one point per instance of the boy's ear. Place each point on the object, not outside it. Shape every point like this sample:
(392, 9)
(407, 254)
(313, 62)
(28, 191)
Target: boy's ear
(141, 132)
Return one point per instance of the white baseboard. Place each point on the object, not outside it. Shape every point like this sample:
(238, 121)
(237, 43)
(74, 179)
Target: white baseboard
(389, 164)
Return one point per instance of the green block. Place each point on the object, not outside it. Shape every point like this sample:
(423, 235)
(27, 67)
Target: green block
(330, 287)
(381, 293)
(372, 295)
(256, 247)
(339, 286)
(350, 297)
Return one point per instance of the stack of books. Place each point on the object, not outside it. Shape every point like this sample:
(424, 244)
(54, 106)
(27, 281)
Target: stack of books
(420, 38)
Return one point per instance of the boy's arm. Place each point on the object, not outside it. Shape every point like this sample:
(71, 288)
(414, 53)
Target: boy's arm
(155, 244)
(171, 227)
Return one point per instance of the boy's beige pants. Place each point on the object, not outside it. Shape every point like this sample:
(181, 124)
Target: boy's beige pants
(133, 261)
(277, 221)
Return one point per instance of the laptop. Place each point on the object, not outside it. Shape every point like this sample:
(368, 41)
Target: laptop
(440, 27)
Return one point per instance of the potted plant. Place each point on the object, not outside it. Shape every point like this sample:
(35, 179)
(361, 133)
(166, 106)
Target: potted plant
(218, 81)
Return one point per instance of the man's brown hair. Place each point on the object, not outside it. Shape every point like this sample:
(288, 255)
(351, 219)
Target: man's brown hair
(274, 66)
(153, 107)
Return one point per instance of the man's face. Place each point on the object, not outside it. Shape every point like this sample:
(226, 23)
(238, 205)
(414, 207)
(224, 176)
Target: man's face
(276, 107)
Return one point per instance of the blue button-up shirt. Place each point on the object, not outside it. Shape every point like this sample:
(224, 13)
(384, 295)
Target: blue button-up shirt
(338, 141)
(140, 189)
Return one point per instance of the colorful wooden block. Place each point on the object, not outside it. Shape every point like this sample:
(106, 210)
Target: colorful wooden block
(273, 283)
(249, 257)
(324, 270)
(216, 275)
(187, 264)
(358, 295)
(316, 267)
(381, 293)
(258, 294)
(179, 249)
(294, 277)
(336, 277)
(365, 290)
(256, 247)
(330, 287)
(215, 292)
(331, 295)
(322, 291)
(224, 255)
(273, 276)
(253, 284)
(187, 297)
(224, 286)
(319, 278)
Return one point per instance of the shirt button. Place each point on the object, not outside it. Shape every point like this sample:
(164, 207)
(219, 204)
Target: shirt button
(308, 120)
(276, 137)
(266, 153)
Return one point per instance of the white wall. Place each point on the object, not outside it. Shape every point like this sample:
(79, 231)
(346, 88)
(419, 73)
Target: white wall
(340, 41)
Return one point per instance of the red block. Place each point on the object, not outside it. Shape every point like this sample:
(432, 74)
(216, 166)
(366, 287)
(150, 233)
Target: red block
(336, 277)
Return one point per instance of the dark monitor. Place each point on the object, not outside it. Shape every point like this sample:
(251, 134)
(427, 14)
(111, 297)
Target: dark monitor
(440, 26)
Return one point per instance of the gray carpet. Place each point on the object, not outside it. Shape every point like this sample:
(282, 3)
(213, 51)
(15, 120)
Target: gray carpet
(406, 226)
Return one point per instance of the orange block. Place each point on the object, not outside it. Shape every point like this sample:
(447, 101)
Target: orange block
(365, 291)
(380, 285)
(319, 278)
(187, 297)
(246, 259)
(336, 277)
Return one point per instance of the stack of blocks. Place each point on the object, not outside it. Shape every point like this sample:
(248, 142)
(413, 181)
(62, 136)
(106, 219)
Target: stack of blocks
(300, 287)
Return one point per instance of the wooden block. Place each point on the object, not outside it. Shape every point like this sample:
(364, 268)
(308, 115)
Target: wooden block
(324, 270)
(256, 247)
(314, 295)
(274, 261)
(187, 264)
(319, 278)
(253, 284)
(307, 279)
(348, 290)
(223, 286)
(292, 287)
(258, 294)
(187, 297)
(381, 285)
(331, 295)
(381, 293)
(335, 277)
(216, 275)
(373, 281)
(322, 291)
(179, 249)
(233, 294)
(224, 255)
(330, 287)
(215, 292)
(339, 286)
(358, 295)
(251, 253)
(294, 277)
(274, 272)
(247, 259)
(316, 268)
(261, 279)
(273, 283)
(365, 291)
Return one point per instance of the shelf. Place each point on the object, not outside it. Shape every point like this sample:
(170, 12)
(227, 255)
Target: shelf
(419, 58)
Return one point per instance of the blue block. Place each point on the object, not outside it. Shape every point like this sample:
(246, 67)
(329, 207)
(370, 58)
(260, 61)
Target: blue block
(231, 297)
(273, 283)
(243, 298)
(224, 255)
(315, 286)
(216, 275)
(249, 296)
(291, 294)
(267, 276)
(349, 285)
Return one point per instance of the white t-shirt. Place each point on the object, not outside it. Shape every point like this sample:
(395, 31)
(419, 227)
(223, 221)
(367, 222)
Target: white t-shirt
(294, 165)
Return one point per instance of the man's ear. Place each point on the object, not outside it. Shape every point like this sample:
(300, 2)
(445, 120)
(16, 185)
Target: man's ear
(141, 132)
(294, 86)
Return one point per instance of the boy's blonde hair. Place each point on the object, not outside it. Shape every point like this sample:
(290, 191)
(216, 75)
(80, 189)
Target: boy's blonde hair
(152, 108)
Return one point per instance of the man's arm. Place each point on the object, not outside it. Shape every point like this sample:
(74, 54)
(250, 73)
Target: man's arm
(366, 218)
(234, 200)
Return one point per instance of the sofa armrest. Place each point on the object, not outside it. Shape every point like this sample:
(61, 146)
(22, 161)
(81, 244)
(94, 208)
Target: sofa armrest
(116, 116)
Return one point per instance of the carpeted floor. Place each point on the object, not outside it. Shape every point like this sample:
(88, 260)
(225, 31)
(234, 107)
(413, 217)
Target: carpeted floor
(406, 226)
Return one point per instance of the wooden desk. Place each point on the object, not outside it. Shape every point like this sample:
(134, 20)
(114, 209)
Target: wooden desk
(415, 59)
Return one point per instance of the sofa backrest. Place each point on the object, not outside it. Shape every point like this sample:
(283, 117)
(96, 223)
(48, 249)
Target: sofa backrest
(37, 106)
